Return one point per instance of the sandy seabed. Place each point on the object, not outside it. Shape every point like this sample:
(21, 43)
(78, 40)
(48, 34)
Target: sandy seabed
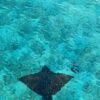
(59, 33)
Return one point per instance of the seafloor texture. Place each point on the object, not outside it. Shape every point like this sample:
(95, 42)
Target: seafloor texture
(63, 34)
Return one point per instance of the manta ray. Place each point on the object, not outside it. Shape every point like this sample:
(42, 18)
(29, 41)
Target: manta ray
(46, 83)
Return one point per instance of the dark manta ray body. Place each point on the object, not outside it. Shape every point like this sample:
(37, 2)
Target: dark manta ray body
(45, 83)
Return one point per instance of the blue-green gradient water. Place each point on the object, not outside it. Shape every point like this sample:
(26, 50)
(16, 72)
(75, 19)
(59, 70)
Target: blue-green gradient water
(59, 33)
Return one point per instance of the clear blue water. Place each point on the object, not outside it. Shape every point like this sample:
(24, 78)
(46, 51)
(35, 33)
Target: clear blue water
(59, 33)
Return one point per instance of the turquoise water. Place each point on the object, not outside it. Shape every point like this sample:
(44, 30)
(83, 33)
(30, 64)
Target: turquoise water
(59, 33)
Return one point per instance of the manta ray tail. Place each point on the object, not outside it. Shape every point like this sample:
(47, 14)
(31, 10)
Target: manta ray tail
(47, 98)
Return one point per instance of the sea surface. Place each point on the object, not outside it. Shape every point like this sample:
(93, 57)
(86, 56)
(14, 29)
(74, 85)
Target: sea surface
(62, 34)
